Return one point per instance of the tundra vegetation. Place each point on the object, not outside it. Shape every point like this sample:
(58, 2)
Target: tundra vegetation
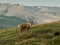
(43, 34)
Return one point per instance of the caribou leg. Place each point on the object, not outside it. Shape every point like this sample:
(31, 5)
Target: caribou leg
(28, 29)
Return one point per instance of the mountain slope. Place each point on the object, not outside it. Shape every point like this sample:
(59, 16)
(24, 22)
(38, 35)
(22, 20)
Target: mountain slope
(41, 14)
(37, 35)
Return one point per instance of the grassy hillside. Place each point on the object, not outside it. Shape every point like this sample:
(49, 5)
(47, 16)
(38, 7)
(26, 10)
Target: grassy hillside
(38, 35)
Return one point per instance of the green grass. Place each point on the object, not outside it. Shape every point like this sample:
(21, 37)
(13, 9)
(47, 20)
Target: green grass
(37, 35)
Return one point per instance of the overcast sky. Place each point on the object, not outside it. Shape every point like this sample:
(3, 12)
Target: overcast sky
(34, 2)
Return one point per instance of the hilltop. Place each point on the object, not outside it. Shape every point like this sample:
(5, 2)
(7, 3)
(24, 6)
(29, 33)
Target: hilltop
(42, 34)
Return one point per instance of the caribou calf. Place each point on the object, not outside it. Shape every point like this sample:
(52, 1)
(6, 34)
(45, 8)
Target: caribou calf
(25, 26)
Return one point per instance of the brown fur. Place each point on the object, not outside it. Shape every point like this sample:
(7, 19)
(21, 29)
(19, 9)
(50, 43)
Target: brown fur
(25, 26)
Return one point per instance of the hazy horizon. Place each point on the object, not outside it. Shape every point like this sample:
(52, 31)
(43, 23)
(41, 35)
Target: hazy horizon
(52, 3)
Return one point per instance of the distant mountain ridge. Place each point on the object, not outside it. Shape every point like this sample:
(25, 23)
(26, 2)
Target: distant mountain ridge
(39, 14)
